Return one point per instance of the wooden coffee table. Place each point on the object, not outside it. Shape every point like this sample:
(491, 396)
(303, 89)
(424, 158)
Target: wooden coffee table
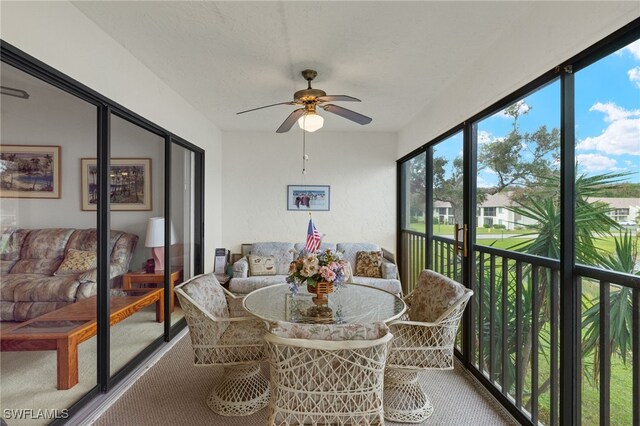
(64, 329)
(153, 278)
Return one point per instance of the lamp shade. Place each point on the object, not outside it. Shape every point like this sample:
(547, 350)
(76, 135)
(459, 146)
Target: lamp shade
(310, 122)
(155, 233)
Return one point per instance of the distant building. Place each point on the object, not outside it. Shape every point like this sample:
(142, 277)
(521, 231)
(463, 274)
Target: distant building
(625, 210)
(494, 211)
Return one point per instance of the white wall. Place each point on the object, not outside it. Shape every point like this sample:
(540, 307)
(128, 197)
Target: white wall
(507, 66)
(61, 36)
(359, 166)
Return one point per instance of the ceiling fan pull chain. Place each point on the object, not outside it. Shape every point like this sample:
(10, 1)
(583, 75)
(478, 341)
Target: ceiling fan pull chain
(304, 150)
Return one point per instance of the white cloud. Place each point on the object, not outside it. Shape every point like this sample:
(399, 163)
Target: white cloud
(634, 76)
(523, 108)
(596, 163)
(622, 135)
(633, 49)
(486, 137)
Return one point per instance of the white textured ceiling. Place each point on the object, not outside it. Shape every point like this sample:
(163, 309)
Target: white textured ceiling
(397, 57)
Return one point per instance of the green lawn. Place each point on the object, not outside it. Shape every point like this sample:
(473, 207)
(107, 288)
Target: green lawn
(448, 229)
(621, 389)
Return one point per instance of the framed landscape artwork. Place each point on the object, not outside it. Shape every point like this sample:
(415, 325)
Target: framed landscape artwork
(29, 171)
(308, 197)
(130, 186)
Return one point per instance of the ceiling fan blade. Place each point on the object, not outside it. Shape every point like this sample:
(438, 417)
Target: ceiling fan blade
(347, 113)
(266, 106)
(338, 98)
(290, 121)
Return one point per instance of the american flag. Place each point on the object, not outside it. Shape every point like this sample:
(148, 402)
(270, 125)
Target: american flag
(313, 238)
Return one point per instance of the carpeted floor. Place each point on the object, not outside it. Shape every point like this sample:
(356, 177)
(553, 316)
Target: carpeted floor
(28, 379)
(173, 392)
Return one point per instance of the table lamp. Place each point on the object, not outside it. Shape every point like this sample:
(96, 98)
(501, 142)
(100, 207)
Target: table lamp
(155, 240)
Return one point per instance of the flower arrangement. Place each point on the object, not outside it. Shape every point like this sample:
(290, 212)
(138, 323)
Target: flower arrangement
(312, 268)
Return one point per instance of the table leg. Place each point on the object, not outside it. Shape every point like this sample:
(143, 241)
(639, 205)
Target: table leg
(126, 283)
(67, 354)
(171, 296)
(160, 308)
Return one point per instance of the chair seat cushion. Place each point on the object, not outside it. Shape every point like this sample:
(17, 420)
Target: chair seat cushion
(332, 332)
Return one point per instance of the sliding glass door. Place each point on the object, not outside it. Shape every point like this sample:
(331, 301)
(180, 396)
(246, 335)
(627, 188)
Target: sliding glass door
(101, 215)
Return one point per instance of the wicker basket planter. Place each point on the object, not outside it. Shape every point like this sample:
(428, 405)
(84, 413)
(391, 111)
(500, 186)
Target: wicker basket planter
(320, 290)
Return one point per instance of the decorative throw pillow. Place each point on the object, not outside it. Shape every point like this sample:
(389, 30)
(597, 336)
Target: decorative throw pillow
(369, 264)
(262, 265)
(77, 261)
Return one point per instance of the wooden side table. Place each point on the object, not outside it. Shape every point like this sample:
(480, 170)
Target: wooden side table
(157, 279)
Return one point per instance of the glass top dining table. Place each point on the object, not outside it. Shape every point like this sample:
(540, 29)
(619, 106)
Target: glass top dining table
(347, 304)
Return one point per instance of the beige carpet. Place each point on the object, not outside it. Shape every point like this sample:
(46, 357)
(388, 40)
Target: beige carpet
(28, 379)
(173, 392)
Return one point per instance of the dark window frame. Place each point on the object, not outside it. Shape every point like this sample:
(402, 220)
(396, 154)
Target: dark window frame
(569, 332)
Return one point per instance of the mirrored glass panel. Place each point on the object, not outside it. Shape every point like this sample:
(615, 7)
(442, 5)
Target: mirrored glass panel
(48, 250)
(136, 179)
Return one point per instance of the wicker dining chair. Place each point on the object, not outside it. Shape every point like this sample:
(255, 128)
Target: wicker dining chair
(424, 341)
(217, 338)
(327, 374)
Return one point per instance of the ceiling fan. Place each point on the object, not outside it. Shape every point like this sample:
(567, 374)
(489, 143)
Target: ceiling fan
(309, 99)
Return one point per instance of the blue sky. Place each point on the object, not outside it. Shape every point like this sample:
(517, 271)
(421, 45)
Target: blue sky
(607, 117)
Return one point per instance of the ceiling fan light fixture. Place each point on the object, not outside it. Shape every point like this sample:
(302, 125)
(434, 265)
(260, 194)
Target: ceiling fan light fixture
(311, 122)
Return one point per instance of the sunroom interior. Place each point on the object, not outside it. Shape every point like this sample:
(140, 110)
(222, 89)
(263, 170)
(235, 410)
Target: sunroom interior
(504, 153)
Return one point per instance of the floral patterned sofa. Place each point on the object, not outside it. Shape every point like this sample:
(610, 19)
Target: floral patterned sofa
(243, 283)
(29, 258)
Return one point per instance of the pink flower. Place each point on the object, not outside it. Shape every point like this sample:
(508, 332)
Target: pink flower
(327, 274)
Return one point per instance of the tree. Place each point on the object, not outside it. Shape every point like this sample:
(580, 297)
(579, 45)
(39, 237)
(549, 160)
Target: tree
(417, 197)
(521, 159)
(449, 188)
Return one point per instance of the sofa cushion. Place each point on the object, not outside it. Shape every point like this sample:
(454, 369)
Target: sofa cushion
(247, 285)
(369, 264)
(11, 241)
(350, 250)
(283, 253)
(87, 240)
(392, 286)
(36, 266)
(261, 265)
(42, 251)
(23, 311)
(39, 288)
(77, 261)
(323, 246)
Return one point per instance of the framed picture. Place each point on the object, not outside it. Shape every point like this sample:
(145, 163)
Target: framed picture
(308, 197)
(130, 185)
(29, 171)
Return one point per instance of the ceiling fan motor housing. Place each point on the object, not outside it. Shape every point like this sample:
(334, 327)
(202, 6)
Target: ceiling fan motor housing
(308, 95)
